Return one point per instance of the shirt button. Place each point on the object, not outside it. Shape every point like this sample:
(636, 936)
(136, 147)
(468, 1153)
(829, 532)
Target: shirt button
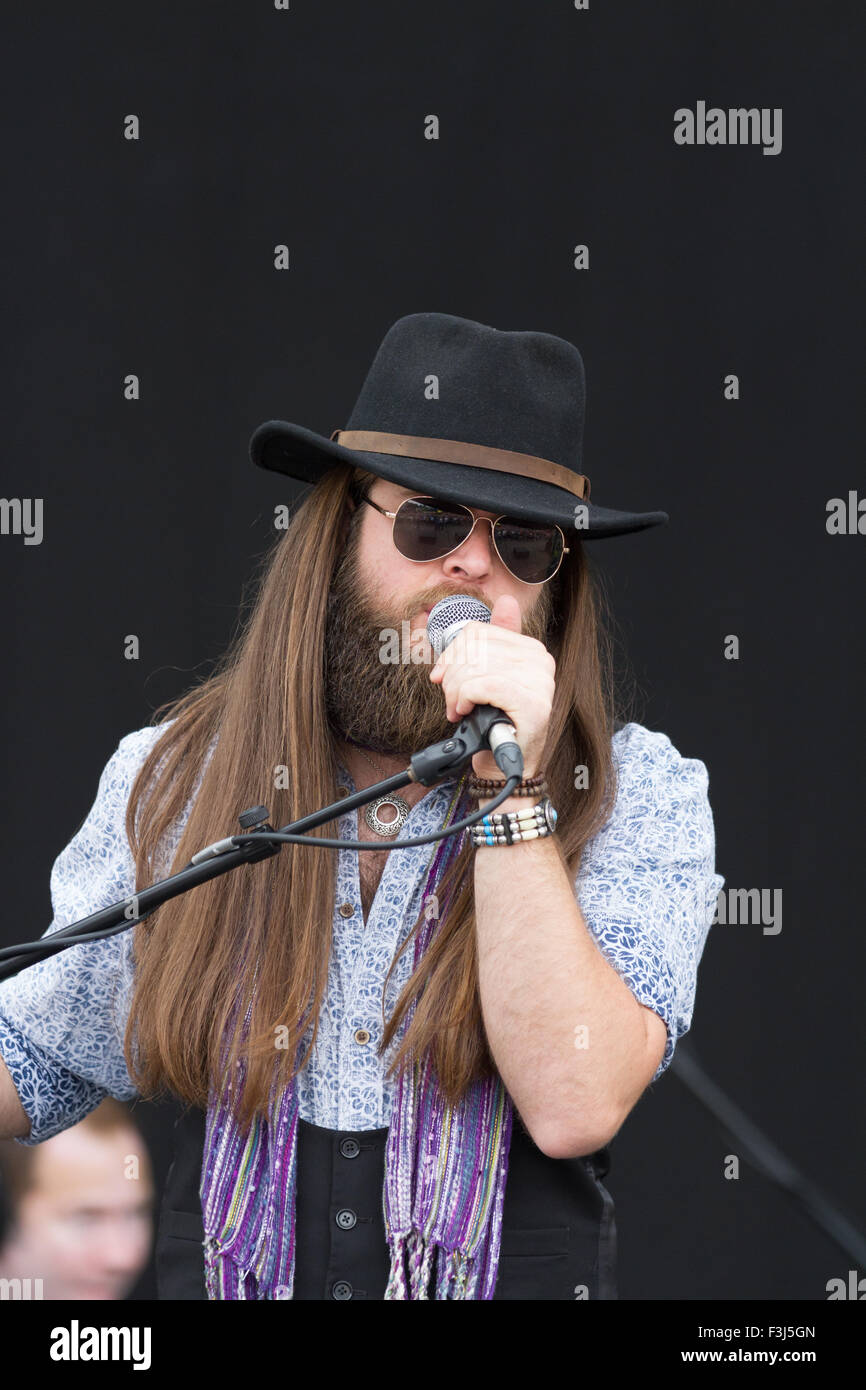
(346, 909)
(342, 791)
(345, 1219)
(341, 1290)
(361, 1036)
(350, 1148)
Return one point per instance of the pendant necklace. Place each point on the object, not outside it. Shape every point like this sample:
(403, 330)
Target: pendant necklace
(386, 828)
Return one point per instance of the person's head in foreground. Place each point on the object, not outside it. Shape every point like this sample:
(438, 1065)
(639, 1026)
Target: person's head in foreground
(79, 1209)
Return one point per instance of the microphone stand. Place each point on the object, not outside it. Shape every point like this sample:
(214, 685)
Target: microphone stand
(260, 841)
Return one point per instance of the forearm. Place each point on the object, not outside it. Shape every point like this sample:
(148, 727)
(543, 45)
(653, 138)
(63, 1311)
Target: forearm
(565, 1031)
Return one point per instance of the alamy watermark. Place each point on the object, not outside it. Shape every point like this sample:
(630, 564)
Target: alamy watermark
(23, 1289)
(846, 518)
(737, 126)
(853, 1288)
(77, 1343)
(407, 646)
(22, 516)
(750, 907)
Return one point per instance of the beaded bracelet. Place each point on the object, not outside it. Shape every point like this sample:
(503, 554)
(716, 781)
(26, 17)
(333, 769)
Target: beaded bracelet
(482, 788)
(509, 827)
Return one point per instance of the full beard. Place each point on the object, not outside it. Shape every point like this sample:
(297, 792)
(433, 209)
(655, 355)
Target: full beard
(385, 705)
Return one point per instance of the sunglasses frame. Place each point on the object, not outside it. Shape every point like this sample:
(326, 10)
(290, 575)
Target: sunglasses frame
(503, 516)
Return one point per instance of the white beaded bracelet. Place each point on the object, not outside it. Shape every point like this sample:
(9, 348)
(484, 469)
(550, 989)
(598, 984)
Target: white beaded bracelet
(509, 827)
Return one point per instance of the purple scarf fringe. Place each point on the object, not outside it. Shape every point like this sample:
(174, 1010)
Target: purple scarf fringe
(446, 1170)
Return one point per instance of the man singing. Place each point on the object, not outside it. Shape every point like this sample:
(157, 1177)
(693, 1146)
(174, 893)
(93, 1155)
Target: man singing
(402, 1067)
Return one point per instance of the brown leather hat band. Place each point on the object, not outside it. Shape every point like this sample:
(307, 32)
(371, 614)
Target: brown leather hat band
(471, 455)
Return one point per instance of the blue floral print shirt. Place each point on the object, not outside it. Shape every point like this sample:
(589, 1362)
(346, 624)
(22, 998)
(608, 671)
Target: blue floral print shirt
(647, 888)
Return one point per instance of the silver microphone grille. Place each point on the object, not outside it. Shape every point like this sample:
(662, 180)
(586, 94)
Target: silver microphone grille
(447, 617)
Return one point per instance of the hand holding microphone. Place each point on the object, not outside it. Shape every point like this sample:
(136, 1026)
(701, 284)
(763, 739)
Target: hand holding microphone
(496, 666)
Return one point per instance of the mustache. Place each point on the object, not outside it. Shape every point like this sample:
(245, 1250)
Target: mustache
(404, 610)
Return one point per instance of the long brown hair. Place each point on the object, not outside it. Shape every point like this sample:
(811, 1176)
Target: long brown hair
(258, 939)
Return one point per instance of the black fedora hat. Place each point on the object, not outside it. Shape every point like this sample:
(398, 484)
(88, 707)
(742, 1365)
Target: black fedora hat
(478, 415)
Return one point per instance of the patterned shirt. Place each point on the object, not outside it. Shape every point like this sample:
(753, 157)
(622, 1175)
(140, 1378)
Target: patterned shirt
(647, 888)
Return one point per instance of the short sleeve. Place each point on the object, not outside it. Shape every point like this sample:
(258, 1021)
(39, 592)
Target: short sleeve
(647, 884)
(62, 1020)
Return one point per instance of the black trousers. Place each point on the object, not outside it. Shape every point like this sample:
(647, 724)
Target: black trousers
(558, 1233)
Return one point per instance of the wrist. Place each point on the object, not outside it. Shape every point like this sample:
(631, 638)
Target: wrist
(511, 803)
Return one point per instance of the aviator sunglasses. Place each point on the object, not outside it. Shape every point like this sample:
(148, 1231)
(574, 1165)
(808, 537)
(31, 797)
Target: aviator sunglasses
(427, 528)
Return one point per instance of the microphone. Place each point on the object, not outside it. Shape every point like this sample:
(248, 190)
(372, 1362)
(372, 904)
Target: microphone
(494, 728)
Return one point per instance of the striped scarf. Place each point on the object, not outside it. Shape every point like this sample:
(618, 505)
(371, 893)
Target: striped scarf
(445, 1173)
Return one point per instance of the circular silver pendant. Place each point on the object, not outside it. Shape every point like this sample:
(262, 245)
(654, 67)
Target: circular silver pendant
(387, 827)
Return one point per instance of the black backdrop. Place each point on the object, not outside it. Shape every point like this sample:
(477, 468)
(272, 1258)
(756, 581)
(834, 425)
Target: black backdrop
(305, 127)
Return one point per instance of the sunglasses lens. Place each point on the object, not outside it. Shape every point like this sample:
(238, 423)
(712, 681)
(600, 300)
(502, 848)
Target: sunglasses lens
(532, 553)
(425, 529)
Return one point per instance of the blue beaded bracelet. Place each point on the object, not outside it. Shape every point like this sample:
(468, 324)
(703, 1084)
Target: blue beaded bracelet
(511, 827)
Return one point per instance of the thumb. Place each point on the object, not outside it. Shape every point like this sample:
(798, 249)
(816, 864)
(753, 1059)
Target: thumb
(506, 613)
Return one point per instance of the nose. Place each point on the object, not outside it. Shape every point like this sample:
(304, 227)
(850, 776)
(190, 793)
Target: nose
(474, 558)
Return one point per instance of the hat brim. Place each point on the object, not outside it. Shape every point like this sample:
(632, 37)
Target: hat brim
(296, 452)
